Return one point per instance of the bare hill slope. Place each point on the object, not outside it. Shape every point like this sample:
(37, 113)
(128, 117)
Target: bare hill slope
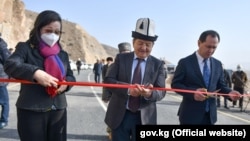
(16, 23)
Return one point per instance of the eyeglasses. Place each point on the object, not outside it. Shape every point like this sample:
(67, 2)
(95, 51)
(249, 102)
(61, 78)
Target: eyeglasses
(57, 32)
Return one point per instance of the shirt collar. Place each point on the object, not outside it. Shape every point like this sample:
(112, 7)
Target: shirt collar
(200, 58)
(135, 57)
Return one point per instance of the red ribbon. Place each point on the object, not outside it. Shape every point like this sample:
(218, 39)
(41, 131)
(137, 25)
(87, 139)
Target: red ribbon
(114, 86)
(52, 91)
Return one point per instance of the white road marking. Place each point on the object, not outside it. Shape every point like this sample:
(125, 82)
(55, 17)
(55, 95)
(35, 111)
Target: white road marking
(221, 112)
(176, 97)
(97, 97)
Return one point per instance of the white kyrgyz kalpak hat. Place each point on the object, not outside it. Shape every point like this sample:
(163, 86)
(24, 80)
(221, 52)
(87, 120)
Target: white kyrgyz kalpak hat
(145, 30)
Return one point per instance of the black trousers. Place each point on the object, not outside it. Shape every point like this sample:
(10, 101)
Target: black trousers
(97, 78)
(42, 126)
(241, 91)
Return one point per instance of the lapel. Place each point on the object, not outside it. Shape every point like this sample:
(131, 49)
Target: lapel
(35, 52)
(212, 70)
(128, 65)
(197, 71)
(148, 71)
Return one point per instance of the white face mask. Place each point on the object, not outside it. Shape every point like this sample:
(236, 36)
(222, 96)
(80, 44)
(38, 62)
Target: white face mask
(50, 38)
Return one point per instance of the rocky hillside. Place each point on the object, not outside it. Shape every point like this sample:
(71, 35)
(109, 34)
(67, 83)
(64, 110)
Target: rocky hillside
(16, 23)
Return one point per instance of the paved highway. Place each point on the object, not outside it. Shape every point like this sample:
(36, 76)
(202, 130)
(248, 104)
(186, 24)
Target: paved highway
(86, 112)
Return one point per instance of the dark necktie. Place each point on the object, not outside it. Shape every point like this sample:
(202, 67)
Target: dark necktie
(134, 102)
(206, 77)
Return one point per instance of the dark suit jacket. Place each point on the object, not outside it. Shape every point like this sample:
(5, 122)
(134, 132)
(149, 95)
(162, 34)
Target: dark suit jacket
(97, 68)
(189, 77)
(120, 73)
(22, 64)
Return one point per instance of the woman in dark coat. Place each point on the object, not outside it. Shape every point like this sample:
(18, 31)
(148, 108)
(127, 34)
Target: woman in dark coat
(41, 107)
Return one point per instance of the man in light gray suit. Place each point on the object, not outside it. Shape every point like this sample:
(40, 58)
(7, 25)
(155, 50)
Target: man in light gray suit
(121, 116)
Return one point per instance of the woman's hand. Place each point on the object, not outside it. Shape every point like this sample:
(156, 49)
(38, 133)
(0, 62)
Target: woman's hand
(45, 79)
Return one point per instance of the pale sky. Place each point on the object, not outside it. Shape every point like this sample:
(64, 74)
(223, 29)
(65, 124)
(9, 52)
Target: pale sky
(179, 24)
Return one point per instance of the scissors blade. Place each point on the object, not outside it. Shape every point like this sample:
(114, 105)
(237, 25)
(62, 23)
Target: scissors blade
(216, 91)
(213, 94)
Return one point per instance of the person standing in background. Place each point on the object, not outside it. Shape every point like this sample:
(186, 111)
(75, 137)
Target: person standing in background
(165, 69)
(4, 95)
(97, 69)
(41, 107)
(200, 72)
(123, 47)
(129, 107)
(78, 65)
(239, 79)
(103, 62)
(228, 81)
(106, 94)
(11, 50)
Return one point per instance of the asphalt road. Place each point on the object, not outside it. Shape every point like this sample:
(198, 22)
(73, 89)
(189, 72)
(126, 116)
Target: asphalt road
(86, 112)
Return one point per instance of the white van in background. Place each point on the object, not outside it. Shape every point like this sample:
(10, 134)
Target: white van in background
(84, 66)
(90, 66)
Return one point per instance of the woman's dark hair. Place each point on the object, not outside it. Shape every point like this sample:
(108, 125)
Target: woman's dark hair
(212, 33)
(43, 19)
